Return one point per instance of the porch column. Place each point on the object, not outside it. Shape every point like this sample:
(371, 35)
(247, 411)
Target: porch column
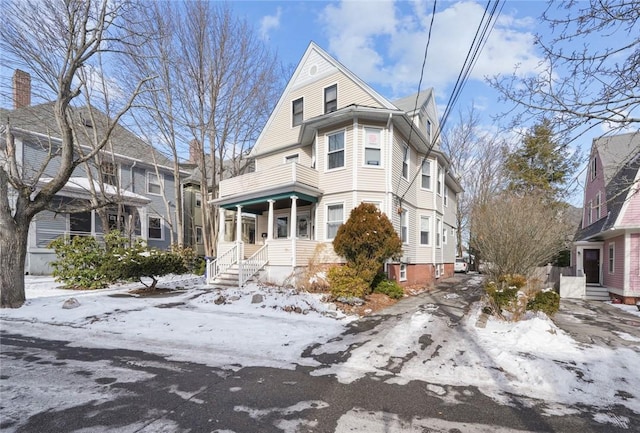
(239, 233)
(221, 224)
(270, 221)
(144, 223)
(238, 223)
(294, 227)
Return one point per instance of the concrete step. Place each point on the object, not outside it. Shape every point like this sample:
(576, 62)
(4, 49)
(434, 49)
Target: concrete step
(596, 293)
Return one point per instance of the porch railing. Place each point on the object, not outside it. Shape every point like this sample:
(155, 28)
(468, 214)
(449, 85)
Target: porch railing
(221, 264)
(250, 266)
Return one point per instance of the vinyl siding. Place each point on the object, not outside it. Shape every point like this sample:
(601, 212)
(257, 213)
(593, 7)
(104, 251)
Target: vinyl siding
(631, 217)
(634, 265)
(372, 178)
(616, 279)
(279, 158)
(280, 131)
(336, 180)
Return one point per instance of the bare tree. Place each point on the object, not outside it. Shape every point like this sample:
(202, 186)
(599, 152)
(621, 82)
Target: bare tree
(71, 34)
(519, 233)
(228, 85)
(477, 158)
(581, 85)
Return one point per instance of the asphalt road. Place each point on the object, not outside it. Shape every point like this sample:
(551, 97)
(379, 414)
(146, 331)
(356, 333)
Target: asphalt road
(107, 390)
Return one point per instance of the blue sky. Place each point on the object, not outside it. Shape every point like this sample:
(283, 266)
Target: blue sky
(383, 42)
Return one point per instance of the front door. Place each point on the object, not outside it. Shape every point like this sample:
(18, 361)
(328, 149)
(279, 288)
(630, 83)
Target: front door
(591, 266)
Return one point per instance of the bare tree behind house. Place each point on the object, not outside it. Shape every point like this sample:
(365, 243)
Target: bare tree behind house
(476, 157)
(68, 38)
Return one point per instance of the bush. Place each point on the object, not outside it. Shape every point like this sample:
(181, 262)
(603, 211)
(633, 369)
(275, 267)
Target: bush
(390, 288)
(366, 240)
(150, 264)
(346, 282)
(78, 262)
(546, 301)
(501, 295)
(189, 257)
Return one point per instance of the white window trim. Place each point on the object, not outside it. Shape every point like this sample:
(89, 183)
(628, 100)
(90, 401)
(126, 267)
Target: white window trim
(438, 232)
(344, 150)
(365, 146)
(404, 224)
(428, 217)
(161, 238)
(401, 271)
(611, 262)
(439, 181)
(590, 210)
(198, 198)
(326, 218)
(287, 158)
(199, 242)
(422, 173)
(292, 112)
(445, 195)
(444, 234)
(376, 203)
(275, 225)
(151, 173)
(593, 169)
(598, 205)
(324, 98)
(406, 160)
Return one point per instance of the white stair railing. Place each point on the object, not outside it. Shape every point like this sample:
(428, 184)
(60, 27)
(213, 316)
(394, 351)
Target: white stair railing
(222, 263)
(249, 267)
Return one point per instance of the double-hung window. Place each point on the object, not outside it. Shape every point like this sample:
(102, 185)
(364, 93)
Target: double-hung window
(109, 173)
(438, 232)
(612, 257)
(426, 174)
(331, 98)
(444, 234)
(590, 211)
(439, 180)
(445, 195)
(425, 222)
(153, 184)
(155, 228)
(403, 272)
(598, 206)
(282, 227)
(405, 162)
(335, 150)
(404, 226)
(297, 112)
(199, 235)
(335, 218)
(594, 168)
(372, 150)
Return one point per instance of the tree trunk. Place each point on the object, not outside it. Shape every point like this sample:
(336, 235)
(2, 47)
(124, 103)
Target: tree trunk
(13, 252)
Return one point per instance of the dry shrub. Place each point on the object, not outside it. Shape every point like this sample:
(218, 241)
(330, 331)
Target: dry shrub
(314, 277)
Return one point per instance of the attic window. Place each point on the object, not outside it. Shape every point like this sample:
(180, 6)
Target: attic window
(86, 122)
(594, 168)
(331, 98)
(297, 111)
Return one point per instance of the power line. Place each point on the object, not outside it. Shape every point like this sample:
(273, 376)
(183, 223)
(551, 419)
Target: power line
(483, 31)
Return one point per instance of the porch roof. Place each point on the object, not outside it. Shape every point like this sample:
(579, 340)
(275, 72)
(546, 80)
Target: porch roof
(80, 187)
(258, 201)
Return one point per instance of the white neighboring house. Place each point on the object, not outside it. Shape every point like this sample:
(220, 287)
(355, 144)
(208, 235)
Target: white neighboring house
(126, 176)
(331, 143)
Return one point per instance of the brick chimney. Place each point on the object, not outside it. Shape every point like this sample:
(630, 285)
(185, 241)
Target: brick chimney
(195, 151)
(21, 89)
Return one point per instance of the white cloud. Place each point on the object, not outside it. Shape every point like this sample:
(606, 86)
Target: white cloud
(384, 42)
(270, 22)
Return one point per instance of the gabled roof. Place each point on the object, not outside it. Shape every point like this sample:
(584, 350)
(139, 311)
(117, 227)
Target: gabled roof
(40, 119)
(314, 49)
(408, 104)
(620, 157)
(615, 151)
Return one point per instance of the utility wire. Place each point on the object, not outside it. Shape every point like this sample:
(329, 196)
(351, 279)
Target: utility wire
(482, 34)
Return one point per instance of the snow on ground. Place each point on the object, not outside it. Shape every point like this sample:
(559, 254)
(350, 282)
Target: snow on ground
(199, 324)
(270, 326)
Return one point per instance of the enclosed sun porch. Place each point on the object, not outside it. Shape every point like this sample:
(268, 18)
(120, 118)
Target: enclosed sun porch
(269, 223)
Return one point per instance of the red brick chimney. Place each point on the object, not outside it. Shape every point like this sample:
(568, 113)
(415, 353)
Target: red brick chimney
(195, 151)
(21, 89)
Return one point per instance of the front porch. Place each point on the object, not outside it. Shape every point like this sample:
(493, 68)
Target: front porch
(269, 218)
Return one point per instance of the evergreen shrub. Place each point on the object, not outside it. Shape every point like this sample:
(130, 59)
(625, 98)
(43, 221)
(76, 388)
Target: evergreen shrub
(390, 288)
(78, 262)
(346, 282)
(546, 301)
